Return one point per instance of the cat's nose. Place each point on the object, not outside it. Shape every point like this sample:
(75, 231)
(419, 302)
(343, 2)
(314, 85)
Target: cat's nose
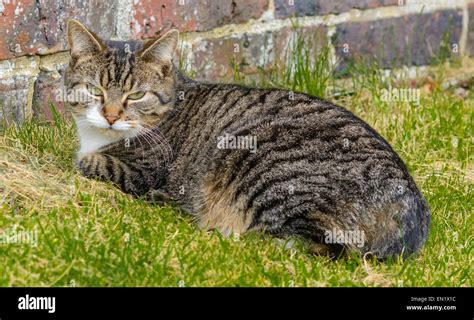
(111, 118)
(112, 112)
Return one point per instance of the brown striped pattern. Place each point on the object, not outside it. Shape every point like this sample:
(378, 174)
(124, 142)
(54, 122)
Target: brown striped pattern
(317, 167)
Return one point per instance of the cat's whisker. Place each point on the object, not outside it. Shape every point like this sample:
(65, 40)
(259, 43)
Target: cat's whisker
(143, 134)
(158, 137)
(83, 123)
(159, 141)
(153, 147)
(154, 136)
(153, 141)
(122, 126)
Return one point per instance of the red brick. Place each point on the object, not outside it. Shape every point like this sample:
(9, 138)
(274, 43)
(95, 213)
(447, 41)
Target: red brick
(46, 93)
(217, 59)
(314, 38)
(150, 17)
(299, 8)
(409, 40)
(30, 27)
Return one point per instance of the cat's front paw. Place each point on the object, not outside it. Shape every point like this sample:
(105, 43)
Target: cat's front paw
(87, 164)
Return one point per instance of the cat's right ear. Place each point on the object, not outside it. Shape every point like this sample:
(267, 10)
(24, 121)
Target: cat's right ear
(82, 41)
(160, 51)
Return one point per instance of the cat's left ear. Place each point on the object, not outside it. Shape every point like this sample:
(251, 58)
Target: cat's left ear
(160, 51)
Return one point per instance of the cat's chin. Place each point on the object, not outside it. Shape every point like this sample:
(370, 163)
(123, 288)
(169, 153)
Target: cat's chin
(112, 133)
(94, 138)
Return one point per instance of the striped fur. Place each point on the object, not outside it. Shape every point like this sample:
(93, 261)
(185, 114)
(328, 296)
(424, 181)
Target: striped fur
(317, 167)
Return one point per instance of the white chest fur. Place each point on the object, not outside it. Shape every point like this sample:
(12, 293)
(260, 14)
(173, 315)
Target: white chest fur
(92, 139)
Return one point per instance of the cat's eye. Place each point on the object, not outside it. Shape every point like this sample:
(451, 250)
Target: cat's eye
(95, 91)
(136, 95)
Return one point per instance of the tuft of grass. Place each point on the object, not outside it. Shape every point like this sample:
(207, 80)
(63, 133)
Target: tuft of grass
(71, 231)
(304, 70)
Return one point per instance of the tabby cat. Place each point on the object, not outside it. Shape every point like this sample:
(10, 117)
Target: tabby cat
(236, 158)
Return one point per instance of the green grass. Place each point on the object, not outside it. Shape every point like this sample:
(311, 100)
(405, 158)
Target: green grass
(91, 234)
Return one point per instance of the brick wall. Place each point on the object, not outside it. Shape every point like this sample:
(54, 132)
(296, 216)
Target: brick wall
(252, 33)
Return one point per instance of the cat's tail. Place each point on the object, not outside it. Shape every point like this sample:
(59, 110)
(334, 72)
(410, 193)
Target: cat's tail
(385, 230)
(412, 221)
(391, 229)
(395, 224)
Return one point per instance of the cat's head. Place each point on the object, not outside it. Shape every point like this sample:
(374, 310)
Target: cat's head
(120, 88)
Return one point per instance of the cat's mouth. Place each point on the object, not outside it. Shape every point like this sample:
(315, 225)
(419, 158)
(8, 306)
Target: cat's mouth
(119, 126)
(119, 129)
(122, 126)
(116, 127)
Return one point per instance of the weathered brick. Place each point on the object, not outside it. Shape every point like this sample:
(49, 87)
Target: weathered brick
(314, 37)
(470, 34)
(45, 94)
(17, 78)
(299, 8)
(149, 16)
(49, 86)
(217, 58)
(30, 27)
(14, 94)
(409, 40)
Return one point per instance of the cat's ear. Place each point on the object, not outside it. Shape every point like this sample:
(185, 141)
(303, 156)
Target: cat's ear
(82, 41)
(160, 51)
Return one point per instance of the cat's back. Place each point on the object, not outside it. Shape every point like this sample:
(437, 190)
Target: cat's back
(289, 161)
(225, 120)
